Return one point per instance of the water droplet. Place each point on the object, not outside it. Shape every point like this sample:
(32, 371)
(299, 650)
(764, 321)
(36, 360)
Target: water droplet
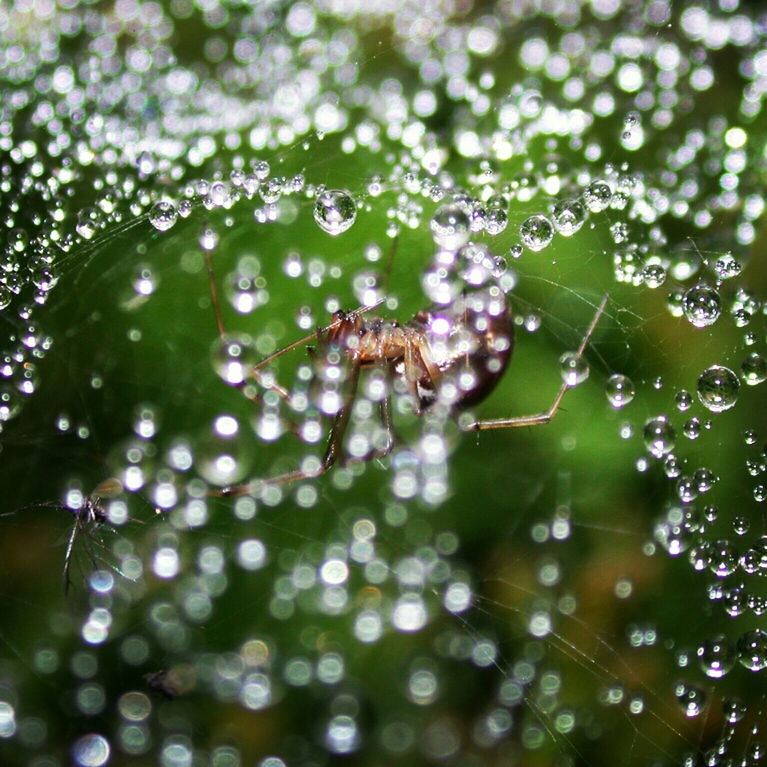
(262, 169)
(569, 216)
(271, 191)
(724, 558)
(619, 390)
(671, 467)
(536, 232)
(692, 699)
(683, 400)
(653, 275)
(741, 525)
(574, 368)
(659, 436)
(91, 751)
(233, 358)
(754, 369)
(223, 455)
(496, 221)
(88, 222)
(632, 137)
(718, 388)
(692, 428)
(597, 196)
(726, 266)
(717, 656)
(752, 650)
(450, 226)
(163, 215)
(702, 305)
(734, 710)
(208, 238)
(335, 211)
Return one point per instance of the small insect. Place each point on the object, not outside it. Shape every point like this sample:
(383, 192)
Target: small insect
(168, 683)
(88, 518)
(454, 353)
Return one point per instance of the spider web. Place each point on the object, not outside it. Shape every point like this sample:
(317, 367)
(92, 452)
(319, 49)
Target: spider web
(527, 614)
(525, 629)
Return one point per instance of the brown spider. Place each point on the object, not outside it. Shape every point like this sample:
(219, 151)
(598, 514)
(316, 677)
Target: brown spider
(454, 354)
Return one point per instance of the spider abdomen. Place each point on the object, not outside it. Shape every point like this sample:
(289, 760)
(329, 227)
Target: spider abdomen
(471, 341)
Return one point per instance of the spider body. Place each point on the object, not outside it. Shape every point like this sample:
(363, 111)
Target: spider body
(89, 516)
(457, 352)
(90, 513)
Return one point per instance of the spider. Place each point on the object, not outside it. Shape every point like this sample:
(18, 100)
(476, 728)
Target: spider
(454, 353)
(88, 518)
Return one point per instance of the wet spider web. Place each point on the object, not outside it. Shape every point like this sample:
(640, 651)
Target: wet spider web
(509, 618)
(495, 598)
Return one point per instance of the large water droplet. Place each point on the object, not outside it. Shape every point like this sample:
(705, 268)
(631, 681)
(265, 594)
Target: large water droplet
(717, 656)
(569, 216)
(752, 650)
(727, 267)
(619, 390)
(659, 436)
(691, 699)
(718, 388)
(597, 196)
(573, 368)
(450, 226)
(163, 215)
(335, 211)
(536, 232)
(702, 305)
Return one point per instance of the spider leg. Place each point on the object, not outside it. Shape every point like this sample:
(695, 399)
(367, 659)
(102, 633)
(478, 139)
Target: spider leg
(87, 545)
(214, 294)
(332, 452)
(386, 420)
(538, 419)
(390, 262)
(216, 303)
(97, 543)
(411, 375)
(388, 424)
(417, 361)
(424, 353)
(341, 421)
(68, 556)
